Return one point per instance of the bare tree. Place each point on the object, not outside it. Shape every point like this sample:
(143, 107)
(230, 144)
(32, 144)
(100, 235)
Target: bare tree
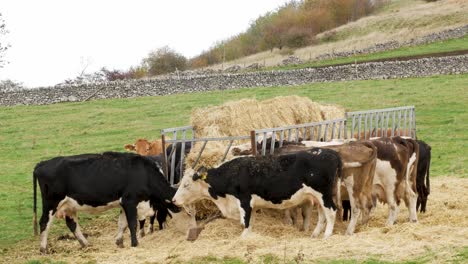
(3, 45)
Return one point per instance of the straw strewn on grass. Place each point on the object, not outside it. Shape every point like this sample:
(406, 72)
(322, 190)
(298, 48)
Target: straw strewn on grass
(439, 234)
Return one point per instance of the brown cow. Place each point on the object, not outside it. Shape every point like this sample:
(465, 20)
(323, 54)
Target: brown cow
(381, 132)
(395, 175)
(359, 161)
(145, 148)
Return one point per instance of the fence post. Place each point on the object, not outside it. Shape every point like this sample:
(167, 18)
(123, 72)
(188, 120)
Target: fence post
(163, 141)
(253, 144)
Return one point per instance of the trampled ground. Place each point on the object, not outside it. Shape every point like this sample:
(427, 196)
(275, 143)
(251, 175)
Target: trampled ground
(440, 236)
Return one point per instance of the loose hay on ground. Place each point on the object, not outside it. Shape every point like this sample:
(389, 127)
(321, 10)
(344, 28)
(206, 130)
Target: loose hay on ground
(440, 233)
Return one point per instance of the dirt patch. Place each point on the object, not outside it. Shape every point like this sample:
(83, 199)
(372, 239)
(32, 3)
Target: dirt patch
(436, 238)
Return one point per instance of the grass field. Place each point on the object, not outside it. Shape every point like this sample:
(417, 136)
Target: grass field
(29, 134)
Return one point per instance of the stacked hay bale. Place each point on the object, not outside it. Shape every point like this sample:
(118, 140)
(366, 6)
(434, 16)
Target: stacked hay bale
(238, 118)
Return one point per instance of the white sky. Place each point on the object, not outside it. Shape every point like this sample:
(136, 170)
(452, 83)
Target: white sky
(52, 40)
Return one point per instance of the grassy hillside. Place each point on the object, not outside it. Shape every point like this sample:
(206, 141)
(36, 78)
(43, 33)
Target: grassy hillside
(451, 45)
(401, 20)
(29, 134)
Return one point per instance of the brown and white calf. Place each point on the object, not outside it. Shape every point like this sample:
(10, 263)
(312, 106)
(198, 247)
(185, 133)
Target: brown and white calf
(359, 161)
(395, 175)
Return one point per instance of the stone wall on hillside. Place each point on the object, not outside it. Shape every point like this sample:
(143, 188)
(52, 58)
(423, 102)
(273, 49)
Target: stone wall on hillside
(391, 45)
(225, 81)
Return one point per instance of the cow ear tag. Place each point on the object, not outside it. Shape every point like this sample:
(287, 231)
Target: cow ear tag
(204, 175)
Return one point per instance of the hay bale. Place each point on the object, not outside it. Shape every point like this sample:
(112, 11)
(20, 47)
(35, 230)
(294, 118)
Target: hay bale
(238, 118)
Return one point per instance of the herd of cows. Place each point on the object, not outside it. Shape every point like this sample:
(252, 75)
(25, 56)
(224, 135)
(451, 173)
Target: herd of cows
(341, 178)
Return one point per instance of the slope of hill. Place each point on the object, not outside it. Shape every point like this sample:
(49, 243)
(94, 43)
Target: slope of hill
(399, 22)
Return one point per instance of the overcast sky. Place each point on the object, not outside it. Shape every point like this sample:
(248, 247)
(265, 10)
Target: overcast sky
(52, 40)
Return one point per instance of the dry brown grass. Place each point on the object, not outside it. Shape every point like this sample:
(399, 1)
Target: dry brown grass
(401, 21)
(439, 234)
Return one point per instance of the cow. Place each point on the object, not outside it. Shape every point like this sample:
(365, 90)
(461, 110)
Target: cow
(95, 183)
(242, 184)
(144, 209)
(422, 179)
(377, 133)
(395, 175)
(145, 148)
(359, 161)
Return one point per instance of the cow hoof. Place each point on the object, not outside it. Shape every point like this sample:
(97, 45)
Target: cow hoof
(314, 235)
(83, 244)
(414, 221)
(43, 250)
(245, 234)
(119, 242)
(134, 243)
(142, 233)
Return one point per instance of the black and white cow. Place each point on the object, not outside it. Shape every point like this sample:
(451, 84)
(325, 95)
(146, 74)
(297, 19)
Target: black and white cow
(242, 184)
(95, 183)
(144, 209)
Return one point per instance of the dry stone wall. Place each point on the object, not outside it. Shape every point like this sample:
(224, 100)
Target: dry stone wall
(391, 45)
(210, 82)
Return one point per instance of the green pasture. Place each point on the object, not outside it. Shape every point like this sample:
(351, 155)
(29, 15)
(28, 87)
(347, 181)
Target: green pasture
(29, 134)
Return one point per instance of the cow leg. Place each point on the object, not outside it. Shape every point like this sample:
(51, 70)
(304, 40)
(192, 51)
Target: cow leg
(355, 211)
(161, 216)
(76, 230)
(392, 205)
(330, 217)
(48, 211)
(422, 199)
(410, 200)
(321, 220)
(346, 205)
(122, 226)
(130, 209)
(45, 223)
(245, 213)
(288, 216)
(151, 226)
(306, 214)
(142, 227)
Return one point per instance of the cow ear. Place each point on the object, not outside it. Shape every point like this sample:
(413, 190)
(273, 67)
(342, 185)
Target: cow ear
(201, 173)
(196, 176)
(129, 147)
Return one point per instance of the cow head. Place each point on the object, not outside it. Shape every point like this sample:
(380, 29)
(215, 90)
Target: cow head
(144, 147)
(192, 187)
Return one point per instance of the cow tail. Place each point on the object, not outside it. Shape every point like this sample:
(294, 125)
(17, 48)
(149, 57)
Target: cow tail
(374, 151)
(35, 202)
(338, 179)
(428, 182)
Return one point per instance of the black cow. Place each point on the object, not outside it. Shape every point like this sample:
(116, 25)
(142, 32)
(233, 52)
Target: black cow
(162, 212)
(272, 181)
(95, 183)
(424, 162)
